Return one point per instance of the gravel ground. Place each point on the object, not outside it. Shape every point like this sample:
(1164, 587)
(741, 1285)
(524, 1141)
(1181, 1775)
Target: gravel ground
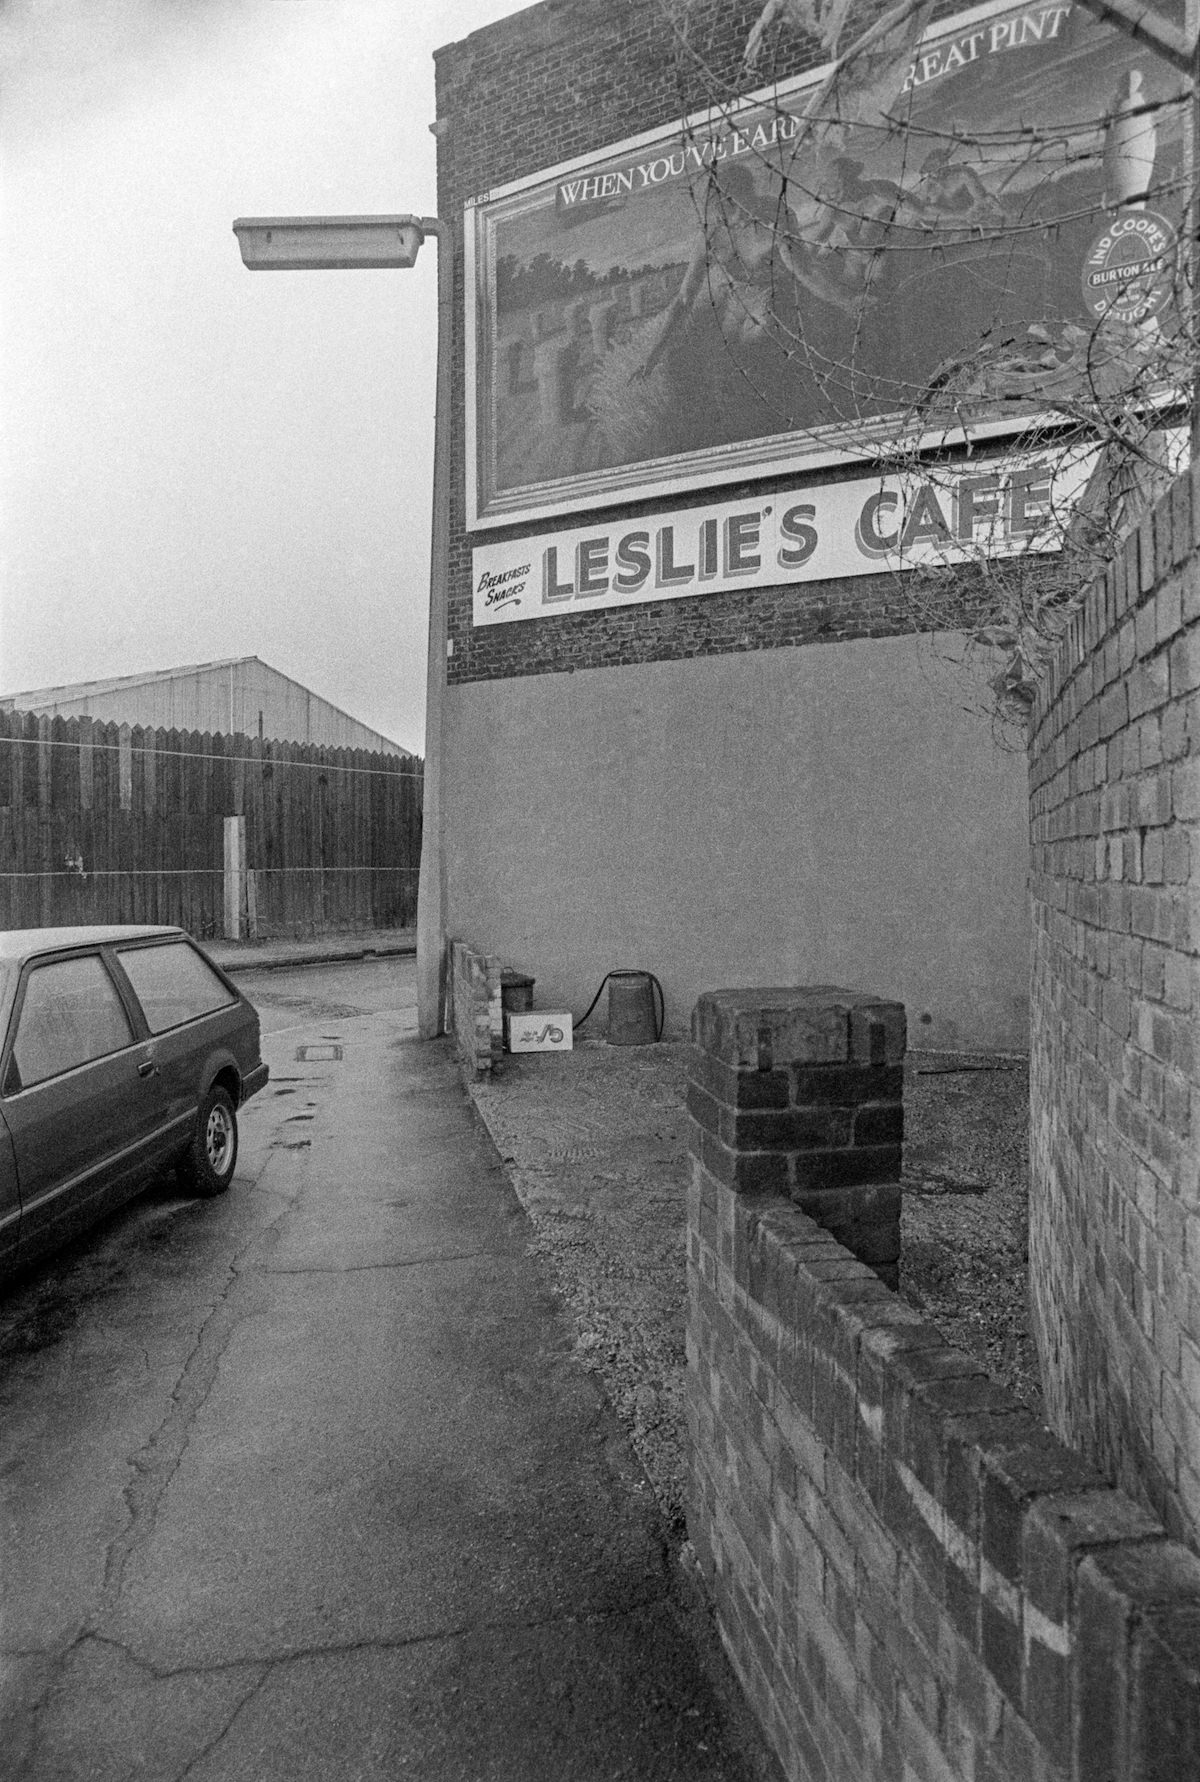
(595, 1143)
(964, 1224)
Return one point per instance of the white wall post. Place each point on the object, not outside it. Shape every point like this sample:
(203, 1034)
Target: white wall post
(235, 876)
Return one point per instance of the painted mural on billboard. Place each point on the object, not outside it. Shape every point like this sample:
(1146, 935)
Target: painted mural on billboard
(776, 286)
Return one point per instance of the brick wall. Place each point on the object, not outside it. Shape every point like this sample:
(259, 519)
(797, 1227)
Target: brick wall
(1115, 1192)
(802, 1090)
(474, 1017)
(914, 1581)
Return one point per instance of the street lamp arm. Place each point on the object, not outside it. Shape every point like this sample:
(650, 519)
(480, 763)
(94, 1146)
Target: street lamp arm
(328, 244)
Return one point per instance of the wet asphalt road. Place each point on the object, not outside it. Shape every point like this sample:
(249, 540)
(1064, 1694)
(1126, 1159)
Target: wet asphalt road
(305, 1482)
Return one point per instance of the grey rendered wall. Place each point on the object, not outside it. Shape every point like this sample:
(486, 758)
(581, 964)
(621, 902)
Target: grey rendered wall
(828, 814)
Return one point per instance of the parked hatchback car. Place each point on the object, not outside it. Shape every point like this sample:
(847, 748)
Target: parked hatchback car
(125, 1051)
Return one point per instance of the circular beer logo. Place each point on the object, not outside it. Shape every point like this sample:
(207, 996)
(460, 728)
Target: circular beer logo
(1130, 267)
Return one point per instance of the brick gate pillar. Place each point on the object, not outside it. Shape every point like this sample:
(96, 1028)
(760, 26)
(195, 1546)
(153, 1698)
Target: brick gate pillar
(800, 1091)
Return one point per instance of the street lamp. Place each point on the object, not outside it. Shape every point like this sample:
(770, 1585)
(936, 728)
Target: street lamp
(295, 244)
(323, 244)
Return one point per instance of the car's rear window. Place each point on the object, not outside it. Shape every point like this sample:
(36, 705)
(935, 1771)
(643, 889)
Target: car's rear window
(71, 1014)
(173, 984)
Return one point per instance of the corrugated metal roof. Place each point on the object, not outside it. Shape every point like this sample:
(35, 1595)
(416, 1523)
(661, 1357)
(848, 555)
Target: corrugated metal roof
(37, 699)
(85, 689)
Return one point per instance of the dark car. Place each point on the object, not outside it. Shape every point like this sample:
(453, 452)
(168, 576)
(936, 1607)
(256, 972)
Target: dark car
(125, 1051)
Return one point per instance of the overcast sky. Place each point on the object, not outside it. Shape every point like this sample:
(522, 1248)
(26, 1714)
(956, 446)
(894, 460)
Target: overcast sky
(202, 461)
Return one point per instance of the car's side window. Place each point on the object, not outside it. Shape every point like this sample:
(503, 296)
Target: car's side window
(71, 1014)
(173, 984)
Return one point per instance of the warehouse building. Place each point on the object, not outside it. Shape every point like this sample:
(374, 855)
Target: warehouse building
(239, 696)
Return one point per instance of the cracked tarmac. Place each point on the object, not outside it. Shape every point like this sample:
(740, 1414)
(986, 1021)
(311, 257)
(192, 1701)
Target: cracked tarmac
(307, 1482)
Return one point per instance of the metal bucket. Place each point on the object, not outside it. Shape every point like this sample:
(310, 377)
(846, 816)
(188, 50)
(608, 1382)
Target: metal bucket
(516, 993)
(631, 1014)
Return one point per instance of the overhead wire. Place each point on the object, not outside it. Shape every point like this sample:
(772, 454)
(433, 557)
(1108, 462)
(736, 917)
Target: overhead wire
(216, 758)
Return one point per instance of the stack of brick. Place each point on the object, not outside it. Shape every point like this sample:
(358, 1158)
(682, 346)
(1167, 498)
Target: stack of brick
(802, 1091)
(474, 1008)
(914, 1581)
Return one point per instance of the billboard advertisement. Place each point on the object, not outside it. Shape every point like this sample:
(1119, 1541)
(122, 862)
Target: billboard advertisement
(781, 284)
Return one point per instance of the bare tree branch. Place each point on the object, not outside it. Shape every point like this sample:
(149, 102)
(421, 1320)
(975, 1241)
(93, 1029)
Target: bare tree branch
(1149, 27)
(1103, 391)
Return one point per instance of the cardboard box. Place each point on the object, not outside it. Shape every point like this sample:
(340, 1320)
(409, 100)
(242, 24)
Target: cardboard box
(539, 1030)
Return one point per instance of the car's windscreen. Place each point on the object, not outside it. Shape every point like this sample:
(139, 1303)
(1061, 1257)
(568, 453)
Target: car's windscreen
(71, 1014)
(173, 984)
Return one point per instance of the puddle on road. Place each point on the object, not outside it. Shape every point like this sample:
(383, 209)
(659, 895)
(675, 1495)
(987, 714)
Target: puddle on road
(41, 1327)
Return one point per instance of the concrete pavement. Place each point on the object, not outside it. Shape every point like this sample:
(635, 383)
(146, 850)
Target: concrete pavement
(360, 943)
(367, 1516)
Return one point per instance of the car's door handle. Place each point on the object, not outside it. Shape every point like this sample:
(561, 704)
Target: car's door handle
(147, 1068)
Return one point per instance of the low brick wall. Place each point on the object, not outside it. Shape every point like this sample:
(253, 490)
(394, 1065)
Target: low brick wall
(914, 1581)
(803, 1091)
(1115, 1008)
(474, 1008)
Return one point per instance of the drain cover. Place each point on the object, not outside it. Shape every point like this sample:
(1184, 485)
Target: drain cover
(318, 1054)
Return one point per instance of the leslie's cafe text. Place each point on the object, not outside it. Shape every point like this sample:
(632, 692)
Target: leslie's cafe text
(864, 527)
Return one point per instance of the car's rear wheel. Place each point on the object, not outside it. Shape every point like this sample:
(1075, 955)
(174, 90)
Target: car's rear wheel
(206, 1167)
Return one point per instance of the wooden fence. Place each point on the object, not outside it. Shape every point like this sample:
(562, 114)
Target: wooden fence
(108, 823)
